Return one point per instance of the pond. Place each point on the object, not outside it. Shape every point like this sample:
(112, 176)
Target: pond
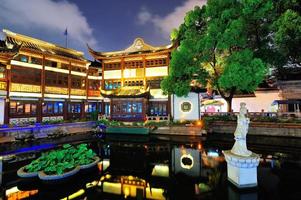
(158, 167)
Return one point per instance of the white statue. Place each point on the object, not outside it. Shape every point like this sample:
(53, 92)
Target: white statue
(240, 134)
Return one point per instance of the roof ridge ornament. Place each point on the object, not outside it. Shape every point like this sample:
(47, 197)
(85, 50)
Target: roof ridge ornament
(138, 43)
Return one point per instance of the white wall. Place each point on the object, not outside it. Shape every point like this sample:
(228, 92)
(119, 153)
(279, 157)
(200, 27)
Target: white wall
(178, 114)
(262, 100)
(2, 104)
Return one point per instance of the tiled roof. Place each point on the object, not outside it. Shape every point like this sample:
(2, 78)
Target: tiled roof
(42, 46)
(138, 46)
(8, 48)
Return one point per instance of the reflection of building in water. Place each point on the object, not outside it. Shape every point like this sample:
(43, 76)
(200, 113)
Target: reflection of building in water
(15, 194)
(129, 186)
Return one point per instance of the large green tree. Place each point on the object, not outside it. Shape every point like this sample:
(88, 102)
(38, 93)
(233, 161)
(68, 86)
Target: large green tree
(287, 31)
(221, 46)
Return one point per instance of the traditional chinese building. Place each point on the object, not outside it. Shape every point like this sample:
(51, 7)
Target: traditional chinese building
(131, 81)
(41, 81)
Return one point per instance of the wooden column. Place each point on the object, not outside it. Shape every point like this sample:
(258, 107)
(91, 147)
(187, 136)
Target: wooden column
(6, 111)
(67, 101)
(39, 111)
(69, 80)
(122, 68)
(97, 108)
(87, 83)
(41, 100)
(111, 108)
(82, 110)
(102, 75)
(169, 98)
(7, 100)
(43, 77)
(65, 110)
(144, 75)
(102, 107)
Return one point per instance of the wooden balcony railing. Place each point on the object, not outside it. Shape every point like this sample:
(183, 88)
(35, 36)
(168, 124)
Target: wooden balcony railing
(2, 85)
(56, 90)
(94, 93)
(18, 87)
(78, 92)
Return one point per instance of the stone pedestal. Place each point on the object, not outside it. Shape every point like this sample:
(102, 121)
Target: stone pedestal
(242, 171)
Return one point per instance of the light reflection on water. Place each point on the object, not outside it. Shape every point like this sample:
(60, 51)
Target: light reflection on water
(149, 169)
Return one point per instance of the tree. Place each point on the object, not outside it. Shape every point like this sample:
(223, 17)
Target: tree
(184, 63)
(286, 32)
(288, 36)
(219, 46)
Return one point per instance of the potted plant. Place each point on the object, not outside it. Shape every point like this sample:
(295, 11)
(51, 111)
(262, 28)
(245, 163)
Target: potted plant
(61, 163)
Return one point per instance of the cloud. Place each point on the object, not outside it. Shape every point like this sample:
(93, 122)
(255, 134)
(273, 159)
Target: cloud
(144, 16)
(172, 20)
(48, 16)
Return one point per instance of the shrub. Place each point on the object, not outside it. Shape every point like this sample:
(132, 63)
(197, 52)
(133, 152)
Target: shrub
(138, 124)
(103, 121)
(156, 124)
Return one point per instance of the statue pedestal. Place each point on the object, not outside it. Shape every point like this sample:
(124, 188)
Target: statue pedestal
(242, 171)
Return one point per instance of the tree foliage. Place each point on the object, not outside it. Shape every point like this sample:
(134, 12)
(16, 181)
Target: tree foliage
(223, 45)
(288, 36)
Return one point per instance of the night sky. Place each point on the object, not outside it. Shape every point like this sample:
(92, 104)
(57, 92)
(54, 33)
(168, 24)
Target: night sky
(105, 25)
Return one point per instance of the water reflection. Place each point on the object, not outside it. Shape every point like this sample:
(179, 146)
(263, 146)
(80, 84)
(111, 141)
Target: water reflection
(161, 169)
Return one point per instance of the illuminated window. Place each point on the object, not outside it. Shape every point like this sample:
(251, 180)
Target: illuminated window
(112, 66)
(74, 108)
(64, 66)
(51, 108)
(156, 62)
(22, 108)
(157, 108)
(27, 108)
(127, 107)
(94, 84)
(154, 83)
(2, 72)
(13, 106)
(26, 75)
(91, 107)
(110, 85)
(24, 58)
(37, 61)
(50, 63)
(133, 83)
(78, 82)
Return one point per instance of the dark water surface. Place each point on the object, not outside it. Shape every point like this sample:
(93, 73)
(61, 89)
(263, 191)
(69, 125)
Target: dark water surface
(148, 166)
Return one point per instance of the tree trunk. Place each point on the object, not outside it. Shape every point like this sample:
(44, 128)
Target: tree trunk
(229, 104)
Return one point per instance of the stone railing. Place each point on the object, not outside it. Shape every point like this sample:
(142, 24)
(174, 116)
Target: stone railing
(277, 129)
(257, 114)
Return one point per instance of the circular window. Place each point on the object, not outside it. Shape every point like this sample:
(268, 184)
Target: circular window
(186, 107)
